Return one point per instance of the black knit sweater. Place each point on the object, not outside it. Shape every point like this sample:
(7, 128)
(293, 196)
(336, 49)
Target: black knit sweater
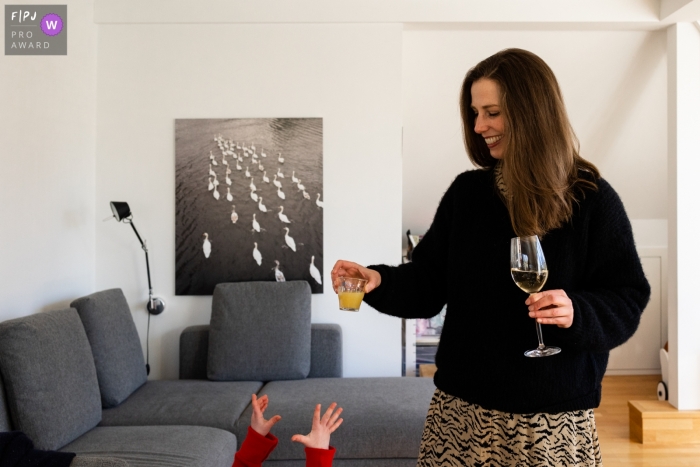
(464, 261)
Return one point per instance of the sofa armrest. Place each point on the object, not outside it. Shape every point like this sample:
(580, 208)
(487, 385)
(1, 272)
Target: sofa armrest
(194, 348)
(326, 351)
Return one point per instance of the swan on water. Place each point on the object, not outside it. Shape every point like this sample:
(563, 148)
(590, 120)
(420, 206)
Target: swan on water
(276, 182)
(261, 206)
(216, 193)
(228, 180)
(247, 172)
(306, 195)
(315, 272)
(206, 247)
(294, 179)
(211, 172)
(289, 240)
(262, 153)
(252, 185)
(280, 193)
(300, 186)
(283, 217)
(238, 166)
(229, 196)
(234, 214)
(211, 185)
(279, 173)
(279, 277)
(256, 224)
(260, 167)
(256, 254)
(266, 179)
(280, 158)
(253, 196)
(319, 203)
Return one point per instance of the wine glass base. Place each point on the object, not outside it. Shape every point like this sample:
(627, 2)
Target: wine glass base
(544, 352)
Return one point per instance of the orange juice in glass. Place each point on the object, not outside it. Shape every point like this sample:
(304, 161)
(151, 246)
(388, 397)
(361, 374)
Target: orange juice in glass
(351, 290)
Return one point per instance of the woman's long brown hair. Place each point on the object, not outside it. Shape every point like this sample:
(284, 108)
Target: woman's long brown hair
(542, 169)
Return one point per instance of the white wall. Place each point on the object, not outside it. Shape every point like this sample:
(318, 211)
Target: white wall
(47, 143)
(614, 85)
(350, 75)
(684, 219)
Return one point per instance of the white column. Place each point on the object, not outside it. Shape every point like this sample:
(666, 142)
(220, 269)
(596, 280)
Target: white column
(684, 215)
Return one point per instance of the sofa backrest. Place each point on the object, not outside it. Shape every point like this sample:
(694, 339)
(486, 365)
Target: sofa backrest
(260, 331)
(49, 377)
(326, 351)
(115, 343)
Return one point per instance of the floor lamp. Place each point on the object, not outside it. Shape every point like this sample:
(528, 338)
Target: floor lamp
(155, 305)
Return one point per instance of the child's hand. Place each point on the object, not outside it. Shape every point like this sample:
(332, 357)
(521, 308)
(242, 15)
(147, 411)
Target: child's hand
(321, 428)
(257, 420)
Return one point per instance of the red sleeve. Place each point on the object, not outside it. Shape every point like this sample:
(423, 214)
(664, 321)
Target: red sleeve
(255, 449)
(319, 457)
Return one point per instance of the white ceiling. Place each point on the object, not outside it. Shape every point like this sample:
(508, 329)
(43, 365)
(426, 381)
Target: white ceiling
(570, 14)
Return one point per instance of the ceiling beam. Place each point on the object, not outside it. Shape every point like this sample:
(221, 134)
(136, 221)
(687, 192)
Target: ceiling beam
(679, 11)
(608, 12)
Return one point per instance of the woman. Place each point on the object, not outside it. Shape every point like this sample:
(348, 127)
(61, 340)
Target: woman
(493, 405)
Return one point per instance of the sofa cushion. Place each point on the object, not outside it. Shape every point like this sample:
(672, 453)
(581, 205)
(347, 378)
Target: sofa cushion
(49, 377)
(115, 344)
(382, 417)
(85, 461)
(216, 404)
(186, 446)
(260, 331)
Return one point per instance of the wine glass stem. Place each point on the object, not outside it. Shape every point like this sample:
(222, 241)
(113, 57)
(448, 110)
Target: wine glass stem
(539, 336)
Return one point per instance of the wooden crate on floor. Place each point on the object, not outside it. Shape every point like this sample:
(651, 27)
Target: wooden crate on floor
(658, 423)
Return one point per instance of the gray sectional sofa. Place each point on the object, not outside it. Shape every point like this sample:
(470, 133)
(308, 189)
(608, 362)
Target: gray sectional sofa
(74, 380)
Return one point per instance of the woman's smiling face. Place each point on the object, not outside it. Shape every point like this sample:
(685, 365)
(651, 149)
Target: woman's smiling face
(488, 118)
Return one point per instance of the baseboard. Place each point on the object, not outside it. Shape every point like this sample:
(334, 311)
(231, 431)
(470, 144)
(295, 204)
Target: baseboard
(658, 423)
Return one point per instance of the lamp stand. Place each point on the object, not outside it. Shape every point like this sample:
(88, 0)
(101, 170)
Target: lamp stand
(155, 305)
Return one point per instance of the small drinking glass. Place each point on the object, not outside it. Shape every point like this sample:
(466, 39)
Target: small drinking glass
(351, 291)
(529, 271)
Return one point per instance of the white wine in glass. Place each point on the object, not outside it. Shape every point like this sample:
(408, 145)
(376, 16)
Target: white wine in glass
(529, 270)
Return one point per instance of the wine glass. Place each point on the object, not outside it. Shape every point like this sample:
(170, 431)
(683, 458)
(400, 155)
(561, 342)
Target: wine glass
(529, 271)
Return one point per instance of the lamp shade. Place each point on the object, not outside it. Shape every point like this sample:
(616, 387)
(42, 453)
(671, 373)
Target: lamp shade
(120, 210)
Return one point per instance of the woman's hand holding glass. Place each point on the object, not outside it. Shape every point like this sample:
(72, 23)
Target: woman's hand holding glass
(551, 307)
(344, 268)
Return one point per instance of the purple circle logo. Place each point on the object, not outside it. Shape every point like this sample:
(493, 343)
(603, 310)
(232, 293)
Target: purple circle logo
(51, 24)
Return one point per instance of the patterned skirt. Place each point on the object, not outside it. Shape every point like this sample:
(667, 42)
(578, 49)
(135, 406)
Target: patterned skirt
(458, 433)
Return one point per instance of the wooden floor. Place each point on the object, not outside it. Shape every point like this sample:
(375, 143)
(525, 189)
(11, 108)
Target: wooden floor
(612, 419)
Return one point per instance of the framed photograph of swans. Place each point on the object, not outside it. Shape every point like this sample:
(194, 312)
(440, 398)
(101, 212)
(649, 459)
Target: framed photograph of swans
(248, 202)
